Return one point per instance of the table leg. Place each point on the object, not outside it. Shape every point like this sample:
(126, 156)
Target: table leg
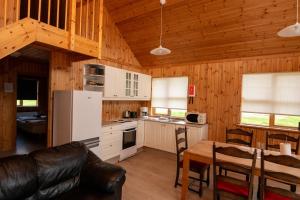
(185, 176)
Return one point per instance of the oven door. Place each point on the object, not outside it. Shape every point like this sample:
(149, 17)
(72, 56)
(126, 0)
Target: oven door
(129, 138)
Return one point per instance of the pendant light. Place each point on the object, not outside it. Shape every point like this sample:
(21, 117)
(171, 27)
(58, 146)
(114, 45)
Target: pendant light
(161, 51)
(292, 30)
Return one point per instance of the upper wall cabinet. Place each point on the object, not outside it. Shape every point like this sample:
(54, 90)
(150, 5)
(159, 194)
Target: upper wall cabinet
(121, 84)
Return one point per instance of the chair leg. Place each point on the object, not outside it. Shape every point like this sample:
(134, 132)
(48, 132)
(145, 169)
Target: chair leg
(220, 170)
(177, 177)
(200, 184)
(247, 178)
(208, 176)
(293, 188)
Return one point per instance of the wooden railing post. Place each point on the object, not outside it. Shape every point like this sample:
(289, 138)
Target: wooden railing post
(72, 23)
(100, 29)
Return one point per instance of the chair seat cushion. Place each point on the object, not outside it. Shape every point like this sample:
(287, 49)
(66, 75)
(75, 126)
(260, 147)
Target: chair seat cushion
(233, 188)
(273, 196)
(196, 166)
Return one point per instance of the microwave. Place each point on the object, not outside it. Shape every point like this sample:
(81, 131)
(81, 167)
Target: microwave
(195, 117)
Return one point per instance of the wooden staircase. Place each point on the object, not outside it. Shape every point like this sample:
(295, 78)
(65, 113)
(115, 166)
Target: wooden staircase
(74, 25)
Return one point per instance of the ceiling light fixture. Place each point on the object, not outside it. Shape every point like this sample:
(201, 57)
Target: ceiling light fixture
(161, 51)
(292, 30)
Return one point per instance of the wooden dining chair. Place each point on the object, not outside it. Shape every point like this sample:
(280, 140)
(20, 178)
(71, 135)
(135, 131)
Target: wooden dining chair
(239, 137)
(229, 187)
(279, 137)
(197, 167)
(271, 193)
(273, 141)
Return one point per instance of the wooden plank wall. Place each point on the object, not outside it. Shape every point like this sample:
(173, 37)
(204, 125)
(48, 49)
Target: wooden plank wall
(66, 71)
(218, 87)
(9, 69)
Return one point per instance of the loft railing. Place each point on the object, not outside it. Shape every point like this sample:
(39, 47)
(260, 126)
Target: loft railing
(84, 15)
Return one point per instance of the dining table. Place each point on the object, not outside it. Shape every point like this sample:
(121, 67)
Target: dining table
(203, 152)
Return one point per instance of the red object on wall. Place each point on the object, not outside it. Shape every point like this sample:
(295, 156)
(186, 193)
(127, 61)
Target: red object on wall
(192, 90)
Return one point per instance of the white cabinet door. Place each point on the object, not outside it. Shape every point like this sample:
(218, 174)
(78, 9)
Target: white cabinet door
(145, 89)
(140, 134)
(114, 83)
(168, 137)
(152, 134)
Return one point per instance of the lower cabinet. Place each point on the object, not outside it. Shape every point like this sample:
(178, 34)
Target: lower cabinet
(111, 144)
(140, 133)
(162, 135)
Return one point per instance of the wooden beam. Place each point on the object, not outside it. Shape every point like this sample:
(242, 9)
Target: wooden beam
(17, 10)
(49, 11)
(39, 11)
(66, 14)
(80, 19)
(100, 29)
(5, 13)
(57, 13)
(93, 20)
(28, 8)
(87, 19)
(72, 23)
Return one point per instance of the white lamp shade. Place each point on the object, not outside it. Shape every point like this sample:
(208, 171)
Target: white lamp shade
(160, 51)
(290, 31)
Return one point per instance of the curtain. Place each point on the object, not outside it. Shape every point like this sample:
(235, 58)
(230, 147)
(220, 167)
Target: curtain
(27, 89)
(277, 93)
(170, 92)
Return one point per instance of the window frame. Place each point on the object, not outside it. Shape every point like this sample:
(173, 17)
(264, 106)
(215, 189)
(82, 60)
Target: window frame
(271, 121)
(169, 115)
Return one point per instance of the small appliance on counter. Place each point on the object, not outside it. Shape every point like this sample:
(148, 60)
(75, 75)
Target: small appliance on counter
(133, 114)
(144, 112)
(126, 114)
(195, 118)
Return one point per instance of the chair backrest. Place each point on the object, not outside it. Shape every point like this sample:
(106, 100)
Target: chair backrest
(238, 168)
(234, 136)
(181, 141)
(279, 176)
(281, 137)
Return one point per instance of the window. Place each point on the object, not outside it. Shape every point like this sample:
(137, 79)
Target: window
(271, 99)
(27, 92)
(169, 96)
(255, 119)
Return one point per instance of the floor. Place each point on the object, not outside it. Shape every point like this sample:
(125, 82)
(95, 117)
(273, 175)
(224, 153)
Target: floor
(150, 176)
(26, 143)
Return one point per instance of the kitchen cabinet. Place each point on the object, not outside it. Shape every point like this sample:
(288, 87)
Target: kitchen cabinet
(160, 135)
(140, 134)
(168, 142)
(114, 81)
(110, 143)
(152, 134)
(195, 133)
(122, 84)
(145, 87)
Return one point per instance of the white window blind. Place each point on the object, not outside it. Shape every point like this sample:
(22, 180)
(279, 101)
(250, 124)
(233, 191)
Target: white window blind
(170, 92)
(277, 93)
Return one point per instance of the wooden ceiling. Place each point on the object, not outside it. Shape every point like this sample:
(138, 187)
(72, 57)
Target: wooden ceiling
(200, 30)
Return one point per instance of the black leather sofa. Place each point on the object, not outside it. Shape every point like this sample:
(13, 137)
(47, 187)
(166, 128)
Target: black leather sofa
(69, 171)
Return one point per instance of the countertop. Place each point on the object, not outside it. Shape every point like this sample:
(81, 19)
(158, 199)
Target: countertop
(153, 119)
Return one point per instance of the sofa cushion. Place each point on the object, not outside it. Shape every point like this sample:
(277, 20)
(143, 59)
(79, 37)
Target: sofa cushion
(58, 169)
(18, 178)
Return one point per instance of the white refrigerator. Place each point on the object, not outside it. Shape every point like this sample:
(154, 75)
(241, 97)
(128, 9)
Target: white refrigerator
(77, 117)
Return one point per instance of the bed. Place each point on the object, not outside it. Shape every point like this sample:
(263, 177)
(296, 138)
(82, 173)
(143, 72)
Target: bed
(32, 122)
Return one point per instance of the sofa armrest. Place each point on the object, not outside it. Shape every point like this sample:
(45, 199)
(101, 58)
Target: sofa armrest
(102, 176)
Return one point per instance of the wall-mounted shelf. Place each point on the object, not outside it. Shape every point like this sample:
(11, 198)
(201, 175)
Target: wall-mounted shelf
(93, 77)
